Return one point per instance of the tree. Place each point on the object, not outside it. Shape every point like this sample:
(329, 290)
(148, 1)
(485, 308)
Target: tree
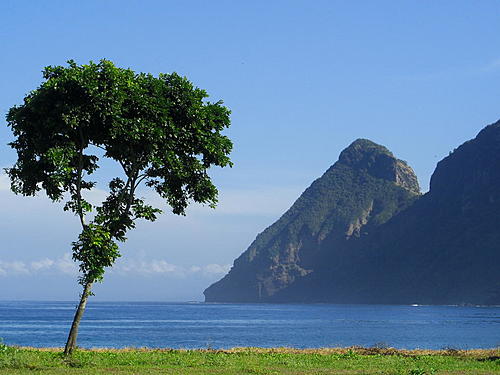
(160, 130)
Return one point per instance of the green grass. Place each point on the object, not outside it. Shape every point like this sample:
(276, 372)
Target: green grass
(249, 361)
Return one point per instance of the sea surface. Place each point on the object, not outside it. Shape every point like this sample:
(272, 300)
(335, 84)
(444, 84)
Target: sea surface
(205, 325)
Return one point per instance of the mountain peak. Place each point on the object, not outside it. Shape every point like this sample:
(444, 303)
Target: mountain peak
(362, 146)
(378, 161)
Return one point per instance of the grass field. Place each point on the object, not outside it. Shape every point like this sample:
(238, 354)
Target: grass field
(249, 361)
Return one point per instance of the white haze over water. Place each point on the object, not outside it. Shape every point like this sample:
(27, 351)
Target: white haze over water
(174, 258)
(130, 267)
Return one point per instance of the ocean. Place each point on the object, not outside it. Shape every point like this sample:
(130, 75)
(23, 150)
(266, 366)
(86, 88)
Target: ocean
(207, 325)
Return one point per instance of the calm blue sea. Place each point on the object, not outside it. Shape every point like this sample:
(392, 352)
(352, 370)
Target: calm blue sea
(200, 325)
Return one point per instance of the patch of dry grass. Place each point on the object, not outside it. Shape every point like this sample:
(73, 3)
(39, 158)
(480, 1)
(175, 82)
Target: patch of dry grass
(470, 353)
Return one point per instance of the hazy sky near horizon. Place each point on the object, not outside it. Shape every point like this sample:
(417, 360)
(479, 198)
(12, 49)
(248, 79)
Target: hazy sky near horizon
(303, 80)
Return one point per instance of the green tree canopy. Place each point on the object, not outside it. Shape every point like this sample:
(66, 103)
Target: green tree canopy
(161, 131)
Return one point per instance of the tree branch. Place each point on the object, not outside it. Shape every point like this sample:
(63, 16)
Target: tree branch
(141, 178)
(79, 182)
(132, 191)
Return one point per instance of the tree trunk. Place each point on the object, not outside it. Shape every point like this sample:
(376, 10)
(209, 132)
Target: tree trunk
(73, 333)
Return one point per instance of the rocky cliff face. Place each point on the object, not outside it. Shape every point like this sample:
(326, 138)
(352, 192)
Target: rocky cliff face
(361, 191)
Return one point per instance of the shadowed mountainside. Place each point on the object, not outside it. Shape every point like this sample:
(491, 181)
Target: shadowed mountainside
(444, 249)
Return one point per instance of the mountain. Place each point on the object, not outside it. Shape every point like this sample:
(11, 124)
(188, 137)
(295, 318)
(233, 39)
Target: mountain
(362, 233)
(361, 191)
(443, 249)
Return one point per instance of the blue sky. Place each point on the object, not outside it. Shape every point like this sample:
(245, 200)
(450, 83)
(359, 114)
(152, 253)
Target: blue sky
(303, 79)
